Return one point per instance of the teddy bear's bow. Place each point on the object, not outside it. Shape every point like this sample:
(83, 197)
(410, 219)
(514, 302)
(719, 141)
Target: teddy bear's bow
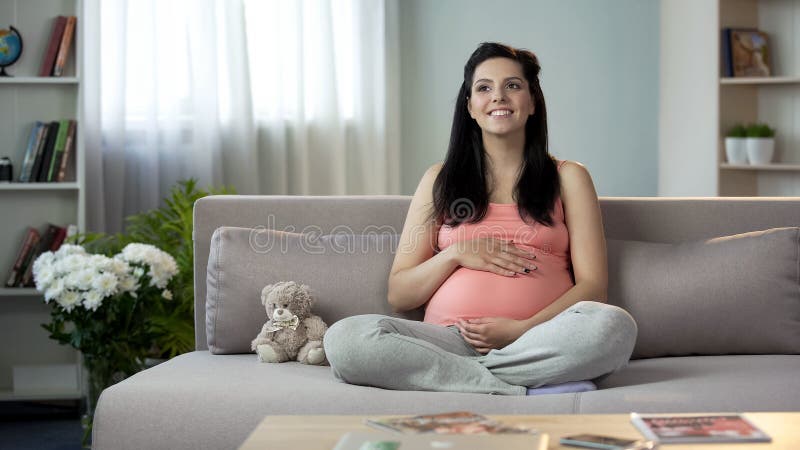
(276, 325)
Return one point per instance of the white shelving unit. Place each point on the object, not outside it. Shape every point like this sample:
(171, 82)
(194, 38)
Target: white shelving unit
(698, 106)
(39, 80)
(25, 98)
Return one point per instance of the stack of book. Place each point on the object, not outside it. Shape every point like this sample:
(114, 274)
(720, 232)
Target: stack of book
(33, 245)
(50, 147)
(55, 58)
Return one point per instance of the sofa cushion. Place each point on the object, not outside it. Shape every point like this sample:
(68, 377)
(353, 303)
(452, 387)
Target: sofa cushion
(736, 294)
(347, 274)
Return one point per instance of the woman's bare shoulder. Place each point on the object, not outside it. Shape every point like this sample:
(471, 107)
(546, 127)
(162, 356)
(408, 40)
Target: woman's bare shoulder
(569, 170)
(425, 187)
(575, 179)
(433, 170)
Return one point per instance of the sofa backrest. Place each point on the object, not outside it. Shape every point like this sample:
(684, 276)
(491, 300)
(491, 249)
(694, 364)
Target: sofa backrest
(652, 219)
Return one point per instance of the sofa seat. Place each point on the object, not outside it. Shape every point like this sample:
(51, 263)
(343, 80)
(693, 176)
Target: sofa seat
(221, 399)
(700, 384)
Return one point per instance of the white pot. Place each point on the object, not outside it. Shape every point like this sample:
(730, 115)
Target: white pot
(736, 150)
(760, 150)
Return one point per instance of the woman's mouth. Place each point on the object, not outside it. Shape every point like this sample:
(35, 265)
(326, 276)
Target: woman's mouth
(500, 113)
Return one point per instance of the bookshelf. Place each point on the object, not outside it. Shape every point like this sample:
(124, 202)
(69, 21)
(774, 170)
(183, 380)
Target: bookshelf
(26, 98)
(698, 106)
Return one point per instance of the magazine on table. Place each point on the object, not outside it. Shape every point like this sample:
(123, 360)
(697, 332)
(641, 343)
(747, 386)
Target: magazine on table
(698, 428)
(459, 422)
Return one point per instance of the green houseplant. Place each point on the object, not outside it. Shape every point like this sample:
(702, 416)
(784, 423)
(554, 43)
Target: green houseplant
(737, 131)
(760, 143)
(735, 148)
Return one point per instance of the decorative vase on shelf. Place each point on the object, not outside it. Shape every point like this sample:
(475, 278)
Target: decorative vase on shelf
(736, 150)
(760, 150)
(760, 143)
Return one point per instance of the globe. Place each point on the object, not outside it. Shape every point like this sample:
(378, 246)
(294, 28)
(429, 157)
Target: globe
(10, 48)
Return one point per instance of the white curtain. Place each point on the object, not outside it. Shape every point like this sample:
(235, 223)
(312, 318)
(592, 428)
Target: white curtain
(270, 96)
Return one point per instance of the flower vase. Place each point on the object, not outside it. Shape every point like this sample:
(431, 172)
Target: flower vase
(760, 150)
(735, 150)
(100, 376)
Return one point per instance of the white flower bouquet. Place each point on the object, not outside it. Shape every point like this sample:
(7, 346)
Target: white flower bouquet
(104, 306)
(74, 278)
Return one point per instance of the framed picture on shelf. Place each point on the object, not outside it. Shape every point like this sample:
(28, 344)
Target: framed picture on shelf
(750, 53)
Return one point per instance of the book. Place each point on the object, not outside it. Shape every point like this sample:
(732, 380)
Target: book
(28, 245)
(69, 149)
(46, 243)
(698, 428)
(58, 150)
(749, 53)
(30, 152)
(458, 422)
(63, 49)
(52, 47)
(727, 62)
(58, 239)
(40, 145)
(364, 440)
(47, 152)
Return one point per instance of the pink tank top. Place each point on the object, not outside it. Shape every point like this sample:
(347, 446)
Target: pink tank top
(469, 294)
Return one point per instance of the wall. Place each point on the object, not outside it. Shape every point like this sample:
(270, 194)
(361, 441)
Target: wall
(599, 75)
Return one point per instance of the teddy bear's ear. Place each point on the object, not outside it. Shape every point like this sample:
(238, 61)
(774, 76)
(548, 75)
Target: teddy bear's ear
(265, 292)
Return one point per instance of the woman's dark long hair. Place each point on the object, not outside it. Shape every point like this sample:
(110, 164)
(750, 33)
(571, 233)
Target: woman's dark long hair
(460, 191)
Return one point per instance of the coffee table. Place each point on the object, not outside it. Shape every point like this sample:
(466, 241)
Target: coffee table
(322, 432)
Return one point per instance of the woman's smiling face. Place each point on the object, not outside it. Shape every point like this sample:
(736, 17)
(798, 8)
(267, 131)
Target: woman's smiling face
(500, 99)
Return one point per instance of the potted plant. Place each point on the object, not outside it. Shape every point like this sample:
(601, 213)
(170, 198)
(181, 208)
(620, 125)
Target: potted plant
(735, 148)
(760, 143)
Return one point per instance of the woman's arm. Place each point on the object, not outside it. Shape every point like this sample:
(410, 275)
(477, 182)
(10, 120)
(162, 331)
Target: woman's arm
(587, 242)
(417, 272)
(588, 254)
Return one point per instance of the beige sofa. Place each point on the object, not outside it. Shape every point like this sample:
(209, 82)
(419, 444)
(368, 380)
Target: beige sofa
(719, 319)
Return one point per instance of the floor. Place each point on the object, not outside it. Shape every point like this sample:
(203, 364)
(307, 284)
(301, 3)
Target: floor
(40, 425)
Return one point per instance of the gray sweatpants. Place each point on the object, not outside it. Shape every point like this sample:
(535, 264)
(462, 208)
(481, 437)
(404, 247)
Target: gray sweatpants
(585, 341)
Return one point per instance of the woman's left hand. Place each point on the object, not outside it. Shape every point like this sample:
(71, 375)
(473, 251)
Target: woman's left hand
(489, 333)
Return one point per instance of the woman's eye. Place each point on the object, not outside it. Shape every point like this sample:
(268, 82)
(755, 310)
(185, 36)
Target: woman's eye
(483, 88)
(513, 85)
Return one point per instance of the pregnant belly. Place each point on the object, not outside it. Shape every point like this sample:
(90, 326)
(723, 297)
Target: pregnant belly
(469, 294)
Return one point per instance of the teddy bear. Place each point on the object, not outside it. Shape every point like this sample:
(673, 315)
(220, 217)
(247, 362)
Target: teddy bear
(292, 332)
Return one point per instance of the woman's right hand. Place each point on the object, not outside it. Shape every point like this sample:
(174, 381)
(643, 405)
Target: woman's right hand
(495, 255)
